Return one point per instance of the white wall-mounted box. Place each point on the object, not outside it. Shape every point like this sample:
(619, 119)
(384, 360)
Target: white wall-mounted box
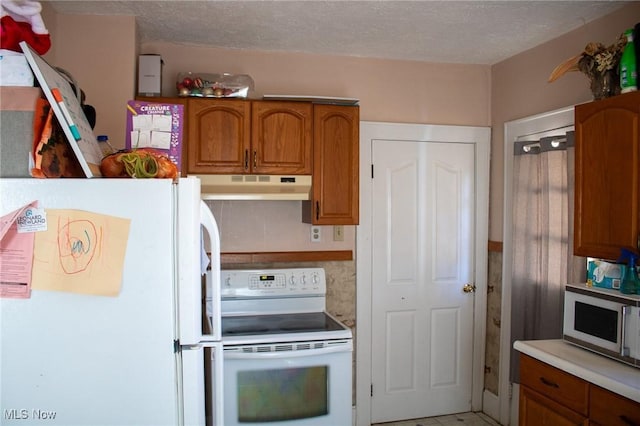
(14, 69)
(149, 75)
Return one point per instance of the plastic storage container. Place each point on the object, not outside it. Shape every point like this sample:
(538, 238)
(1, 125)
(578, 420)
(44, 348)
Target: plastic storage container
(214, 85)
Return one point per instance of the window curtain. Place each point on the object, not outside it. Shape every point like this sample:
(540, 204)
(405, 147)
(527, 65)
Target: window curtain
(543, 260)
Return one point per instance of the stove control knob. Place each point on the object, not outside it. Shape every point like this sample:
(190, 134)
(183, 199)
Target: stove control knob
(304, 279)
(227, 282)
(314, 279)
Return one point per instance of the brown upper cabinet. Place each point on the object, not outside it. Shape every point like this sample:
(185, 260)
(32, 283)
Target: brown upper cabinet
(607, 191)
(248, 137)
(239, 136)
(335, 194)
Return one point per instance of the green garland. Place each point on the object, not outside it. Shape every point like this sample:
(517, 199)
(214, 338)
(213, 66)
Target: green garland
(140, 165)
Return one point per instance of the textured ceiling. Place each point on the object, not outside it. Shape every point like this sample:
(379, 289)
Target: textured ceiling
(470, 32)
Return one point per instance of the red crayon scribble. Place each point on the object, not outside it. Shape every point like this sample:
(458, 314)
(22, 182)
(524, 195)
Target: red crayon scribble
(77, 244)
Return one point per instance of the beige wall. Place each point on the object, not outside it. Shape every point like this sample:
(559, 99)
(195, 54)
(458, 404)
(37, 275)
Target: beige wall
(101, 54)
(101, 51)
(399, 91)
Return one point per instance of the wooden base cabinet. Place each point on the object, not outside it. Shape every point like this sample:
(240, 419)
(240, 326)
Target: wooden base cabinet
(550, 396)
(607, 173)
(335, 193)
(609, 409)
(536, 409)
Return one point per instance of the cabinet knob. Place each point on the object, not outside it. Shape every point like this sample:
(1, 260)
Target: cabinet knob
(246, 159)
(317, 210)
(255, 159)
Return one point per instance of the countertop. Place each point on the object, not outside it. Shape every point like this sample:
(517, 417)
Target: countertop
(597, 369)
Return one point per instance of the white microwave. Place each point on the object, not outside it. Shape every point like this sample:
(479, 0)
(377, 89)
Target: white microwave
(603, 321)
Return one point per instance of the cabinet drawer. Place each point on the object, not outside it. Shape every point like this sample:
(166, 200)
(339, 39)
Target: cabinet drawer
(607, 408)
(557, 385)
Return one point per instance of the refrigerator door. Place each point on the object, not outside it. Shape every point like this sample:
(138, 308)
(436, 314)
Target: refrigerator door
(81, 359)
(193, 214)
(202, 369)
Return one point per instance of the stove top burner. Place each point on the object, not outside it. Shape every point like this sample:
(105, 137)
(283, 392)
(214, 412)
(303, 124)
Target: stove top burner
(278, 324)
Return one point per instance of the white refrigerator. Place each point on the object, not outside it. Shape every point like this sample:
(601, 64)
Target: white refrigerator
(141, 356)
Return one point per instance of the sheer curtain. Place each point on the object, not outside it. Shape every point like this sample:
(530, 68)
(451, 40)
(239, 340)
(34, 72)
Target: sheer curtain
(543, 260)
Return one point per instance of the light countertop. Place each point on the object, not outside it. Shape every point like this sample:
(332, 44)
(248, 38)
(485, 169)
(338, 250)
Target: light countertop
(597, 369)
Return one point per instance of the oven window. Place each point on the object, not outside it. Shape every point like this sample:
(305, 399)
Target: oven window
(596, 321)
(282, 394)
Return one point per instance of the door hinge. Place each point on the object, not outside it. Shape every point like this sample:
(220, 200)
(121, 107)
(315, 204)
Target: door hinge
(372, 389)
(372, 171)
(176, 346)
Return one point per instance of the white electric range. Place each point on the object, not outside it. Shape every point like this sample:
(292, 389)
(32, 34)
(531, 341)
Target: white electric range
(286, 360)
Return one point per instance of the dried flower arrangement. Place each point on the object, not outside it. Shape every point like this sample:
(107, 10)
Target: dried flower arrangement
(600, 64)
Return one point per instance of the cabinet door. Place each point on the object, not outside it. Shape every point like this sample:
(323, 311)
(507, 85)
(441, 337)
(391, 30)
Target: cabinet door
(607, 408)
(607, 192)
(218, 136)
(281, 137)
(335, 193)
(536, 410)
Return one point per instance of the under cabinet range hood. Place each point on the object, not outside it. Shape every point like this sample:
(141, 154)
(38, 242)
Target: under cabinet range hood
(255, 187)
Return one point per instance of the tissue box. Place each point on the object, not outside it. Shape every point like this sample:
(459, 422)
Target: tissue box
(604, 274)
(14, 69)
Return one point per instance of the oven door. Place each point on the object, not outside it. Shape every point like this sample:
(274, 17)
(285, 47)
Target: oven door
(292, 384)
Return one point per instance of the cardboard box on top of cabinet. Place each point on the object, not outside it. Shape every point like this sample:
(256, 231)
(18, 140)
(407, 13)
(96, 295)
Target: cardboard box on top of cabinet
(604, 274)
(17, 106)
(149, 75)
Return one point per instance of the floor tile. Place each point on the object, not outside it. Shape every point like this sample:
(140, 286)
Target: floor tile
(461, 419)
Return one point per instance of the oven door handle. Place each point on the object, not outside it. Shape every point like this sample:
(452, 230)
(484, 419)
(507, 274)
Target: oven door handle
(299, 353)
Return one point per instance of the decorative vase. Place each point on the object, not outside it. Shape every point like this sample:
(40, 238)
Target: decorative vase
(606, 84)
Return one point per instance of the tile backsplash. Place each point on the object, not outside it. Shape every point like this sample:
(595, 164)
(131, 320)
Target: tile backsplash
(266, 226)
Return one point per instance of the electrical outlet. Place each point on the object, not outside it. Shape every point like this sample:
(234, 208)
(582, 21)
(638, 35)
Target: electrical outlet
(316, 235)
(338, 233)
